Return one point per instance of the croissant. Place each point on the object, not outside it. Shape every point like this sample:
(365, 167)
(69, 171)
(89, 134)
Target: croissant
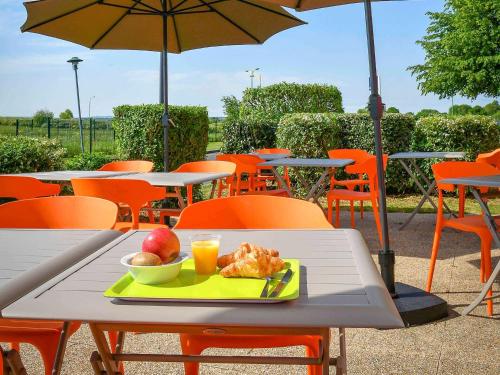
(257, 264)
(242, 252)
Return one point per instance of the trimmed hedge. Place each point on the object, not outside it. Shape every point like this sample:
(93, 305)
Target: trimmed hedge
(252, 123)
(26, 154)
(139, 133)
(88, 162)
(472, 134)
(397, 130)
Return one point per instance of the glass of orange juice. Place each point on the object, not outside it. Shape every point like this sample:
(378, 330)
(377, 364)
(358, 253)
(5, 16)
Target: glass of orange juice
(205, 249)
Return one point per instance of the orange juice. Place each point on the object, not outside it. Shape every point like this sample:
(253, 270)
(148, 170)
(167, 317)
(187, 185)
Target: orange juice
(205, 250)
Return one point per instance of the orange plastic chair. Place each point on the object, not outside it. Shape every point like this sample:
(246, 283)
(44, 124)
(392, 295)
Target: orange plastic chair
(212, 166)
(266, 173)
(51, 213)
(136, 194)
(368, 167)
(473, 223)
(59, 213)
(246, 166)
(250, 212)
(358, 156)
(22, 187)
(139, 166)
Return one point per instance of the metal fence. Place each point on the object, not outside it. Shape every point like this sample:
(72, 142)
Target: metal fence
(98, 135)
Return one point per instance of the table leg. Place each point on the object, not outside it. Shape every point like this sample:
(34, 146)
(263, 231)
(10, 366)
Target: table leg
(341, 366)
(490, 223)
(428, 182)
(104, 351)
(61, 349)
(418, 207)
(11, 363)
(178, 193)
(325, 355)
(214, 186)
(282, 181)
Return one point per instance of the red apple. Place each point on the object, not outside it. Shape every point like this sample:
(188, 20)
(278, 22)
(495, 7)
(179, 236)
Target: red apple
(162, 242)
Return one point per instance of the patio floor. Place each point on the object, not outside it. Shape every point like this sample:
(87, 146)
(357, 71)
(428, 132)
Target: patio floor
(456, 345)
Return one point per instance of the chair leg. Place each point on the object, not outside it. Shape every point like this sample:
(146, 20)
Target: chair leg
(190, 195)
(434, 254)
(15, 346)
(312, 351)
(47, 346)
(330, 211)
(337, 213)
(190, 348)
(353, 221)
(461, 201)
(486, 253)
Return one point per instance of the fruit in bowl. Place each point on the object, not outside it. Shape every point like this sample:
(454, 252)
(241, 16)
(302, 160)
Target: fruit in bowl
(163, 243)
(146, 259)
(152, 274)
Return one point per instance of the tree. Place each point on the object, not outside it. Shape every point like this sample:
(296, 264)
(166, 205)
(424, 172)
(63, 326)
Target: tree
(462, 50)
(66, 115)
(392, 110)
(41, 116)
(426, 112)
(491, 108)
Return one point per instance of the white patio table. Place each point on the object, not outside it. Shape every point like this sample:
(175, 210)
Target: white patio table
(31, 257)
(474, 183)
(339, 287)
(313, 191)
(66, 176)
(411, 157)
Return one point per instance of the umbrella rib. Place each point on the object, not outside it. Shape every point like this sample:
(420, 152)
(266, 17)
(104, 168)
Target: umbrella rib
(196, 6)
(150, 7)
(175, 29)
(272, 11)
(232, 22)
(128, 8)
(61, 16)
(177, 6)
(136, 2)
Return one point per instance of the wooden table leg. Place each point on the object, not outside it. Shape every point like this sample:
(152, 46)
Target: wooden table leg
(12, 364)
(104, 350)
(61, 349)
(341, 367)
(325, 355)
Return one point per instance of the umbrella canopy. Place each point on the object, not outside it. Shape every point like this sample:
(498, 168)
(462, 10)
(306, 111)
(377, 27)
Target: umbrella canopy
(158, 25)
(314, 4)
(138, 24)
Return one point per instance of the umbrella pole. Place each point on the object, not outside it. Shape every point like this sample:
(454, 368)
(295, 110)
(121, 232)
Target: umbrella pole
(164, 88)
(386, 256)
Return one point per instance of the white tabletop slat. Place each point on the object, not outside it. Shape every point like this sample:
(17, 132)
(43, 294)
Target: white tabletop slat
(68, 175)
(337, 290)
(30, 257)
(302, 162)
(174, 179)
(268, 157)
(428, 155)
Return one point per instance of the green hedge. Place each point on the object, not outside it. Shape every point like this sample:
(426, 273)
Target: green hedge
(308, 135)
(25, 154)
(397, 129)
(88, 162)
(139, 133)
(252, 123)
(472, 134)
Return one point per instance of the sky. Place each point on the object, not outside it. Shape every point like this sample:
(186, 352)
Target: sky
(330, 49)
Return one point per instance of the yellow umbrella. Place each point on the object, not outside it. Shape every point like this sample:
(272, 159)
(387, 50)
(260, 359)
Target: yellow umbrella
(158, 25)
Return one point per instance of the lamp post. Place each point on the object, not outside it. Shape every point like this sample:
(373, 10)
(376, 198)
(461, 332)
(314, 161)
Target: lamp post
(252, 75)
(74, 61)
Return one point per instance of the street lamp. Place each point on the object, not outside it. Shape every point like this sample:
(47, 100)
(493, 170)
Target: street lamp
(74, 61)
(252, 75)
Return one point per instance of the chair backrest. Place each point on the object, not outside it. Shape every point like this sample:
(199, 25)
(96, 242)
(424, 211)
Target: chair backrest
(66, 212)
(369, 167)
(453, 169)
(273, 151)
(22, 187)
(355, 154)
(252, 212)
(133, 193)
(213, 166)
(492, 158)
(139, 166)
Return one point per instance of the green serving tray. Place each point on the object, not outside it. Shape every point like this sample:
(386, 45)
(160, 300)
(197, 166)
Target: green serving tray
(189, 287)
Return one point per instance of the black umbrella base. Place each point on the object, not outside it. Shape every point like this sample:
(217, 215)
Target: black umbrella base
(416, 306)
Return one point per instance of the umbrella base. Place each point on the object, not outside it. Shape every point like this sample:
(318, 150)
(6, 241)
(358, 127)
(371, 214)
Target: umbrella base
(417, 307)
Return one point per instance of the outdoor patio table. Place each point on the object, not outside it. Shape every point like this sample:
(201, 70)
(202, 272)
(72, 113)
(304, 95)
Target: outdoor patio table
(30, 257)
(474, 183)
(411, 157)
(66, 176)
(313, 191)
(339, 287)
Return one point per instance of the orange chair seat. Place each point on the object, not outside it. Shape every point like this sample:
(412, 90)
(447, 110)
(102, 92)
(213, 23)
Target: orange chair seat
(125, 226)
(472, 223)
(351, 183)
(345, 194)
(28, 325)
